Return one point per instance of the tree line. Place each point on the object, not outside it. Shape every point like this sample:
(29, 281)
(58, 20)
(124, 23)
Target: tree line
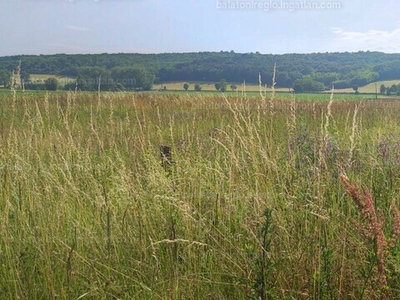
(87, 79)
(302, 72)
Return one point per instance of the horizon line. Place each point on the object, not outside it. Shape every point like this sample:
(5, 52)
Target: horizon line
(197, 52)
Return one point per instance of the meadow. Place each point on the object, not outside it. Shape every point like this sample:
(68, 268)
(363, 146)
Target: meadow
(370, 88)
(256, 197)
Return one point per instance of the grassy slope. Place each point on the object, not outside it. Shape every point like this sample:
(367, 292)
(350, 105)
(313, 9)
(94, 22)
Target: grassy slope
(372, 87)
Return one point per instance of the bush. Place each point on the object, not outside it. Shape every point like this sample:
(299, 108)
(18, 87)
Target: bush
(307, 84)
(51, 84)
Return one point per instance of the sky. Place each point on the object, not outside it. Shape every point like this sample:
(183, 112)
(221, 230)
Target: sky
(159, 26)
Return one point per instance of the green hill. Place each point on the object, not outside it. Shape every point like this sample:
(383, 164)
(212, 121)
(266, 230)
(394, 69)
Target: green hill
(344, 70)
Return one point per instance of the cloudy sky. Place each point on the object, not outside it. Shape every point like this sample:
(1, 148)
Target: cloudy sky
(155, 26)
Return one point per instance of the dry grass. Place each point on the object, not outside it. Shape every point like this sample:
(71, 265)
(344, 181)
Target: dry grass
(250, 205)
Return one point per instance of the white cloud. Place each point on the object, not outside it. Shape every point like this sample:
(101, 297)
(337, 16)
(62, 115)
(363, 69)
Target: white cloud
(373, 40)
(76, 28)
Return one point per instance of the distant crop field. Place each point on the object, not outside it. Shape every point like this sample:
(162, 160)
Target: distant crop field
(178, 86)
(43, 77)
(168, 196)
(371, 87)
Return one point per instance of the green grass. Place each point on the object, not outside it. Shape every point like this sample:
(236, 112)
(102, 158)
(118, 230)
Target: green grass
(251, 205)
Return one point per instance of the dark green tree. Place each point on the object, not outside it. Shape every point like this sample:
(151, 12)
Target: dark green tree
(133, 78)
(25, 77)
(355, 88)
(91, 78)
(233, 87)
(382, 89)
(393, 88)
(341, 84)
(221, 85)
(307, 84)
(327, 78)
(5, 78)
(186, 86)
(51, 84)
(197, 87)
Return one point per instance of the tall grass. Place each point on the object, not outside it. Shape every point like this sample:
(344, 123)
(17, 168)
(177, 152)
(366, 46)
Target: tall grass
(251, 205)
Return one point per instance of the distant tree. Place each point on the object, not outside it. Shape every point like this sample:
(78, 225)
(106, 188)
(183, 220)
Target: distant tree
(307, 84)
(90, 78)
(327, 78)
(132, 78)
(355, 88)
(233, 87)
(186, 86)
(25, 77)
(341, 84)
(70, 86)
(197, 87)
(362, 78)
(393, 88)
(382, 89)
(35, 86)
(221, 85)
(51, 84)
(5, 78)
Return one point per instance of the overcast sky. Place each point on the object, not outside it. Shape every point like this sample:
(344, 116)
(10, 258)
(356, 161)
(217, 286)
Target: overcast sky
(156, 26)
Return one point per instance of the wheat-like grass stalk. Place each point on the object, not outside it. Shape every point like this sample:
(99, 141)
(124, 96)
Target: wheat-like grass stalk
(353, 136)
(272, 99)
(260, 88)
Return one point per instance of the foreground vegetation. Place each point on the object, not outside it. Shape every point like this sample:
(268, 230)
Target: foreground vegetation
(250, 201)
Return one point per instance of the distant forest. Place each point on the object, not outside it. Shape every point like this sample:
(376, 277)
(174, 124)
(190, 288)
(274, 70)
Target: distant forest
(305, 71)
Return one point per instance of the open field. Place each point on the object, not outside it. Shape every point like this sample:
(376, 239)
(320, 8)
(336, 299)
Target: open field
(250, 202)
(178, 86)
(43, 77)
(371, 87)
(207, 86)
(280, 95)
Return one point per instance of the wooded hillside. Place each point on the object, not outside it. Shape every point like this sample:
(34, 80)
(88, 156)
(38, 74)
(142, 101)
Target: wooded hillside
(341, 69)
